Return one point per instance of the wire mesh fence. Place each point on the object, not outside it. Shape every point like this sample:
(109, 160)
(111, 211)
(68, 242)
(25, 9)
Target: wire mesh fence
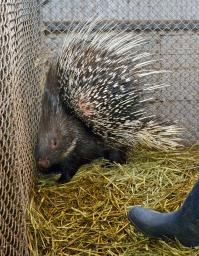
(173, 30)
(19, 110)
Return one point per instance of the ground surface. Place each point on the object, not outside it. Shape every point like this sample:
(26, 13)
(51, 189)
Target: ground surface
(87, 216)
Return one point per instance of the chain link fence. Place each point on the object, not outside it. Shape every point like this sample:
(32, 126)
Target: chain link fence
(19, 112)
(172, 27)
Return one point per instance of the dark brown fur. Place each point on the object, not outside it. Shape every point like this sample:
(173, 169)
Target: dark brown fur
(64, 143)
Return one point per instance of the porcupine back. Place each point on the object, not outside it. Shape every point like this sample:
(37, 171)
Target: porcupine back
(101, 79)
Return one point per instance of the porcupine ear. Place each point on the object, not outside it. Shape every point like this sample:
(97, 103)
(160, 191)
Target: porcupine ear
(102, 77)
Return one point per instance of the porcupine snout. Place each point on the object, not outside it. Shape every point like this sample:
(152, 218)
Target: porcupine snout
(43, 163)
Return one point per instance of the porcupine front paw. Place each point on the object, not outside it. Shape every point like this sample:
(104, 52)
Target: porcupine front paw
(64, 178)
(117, 156)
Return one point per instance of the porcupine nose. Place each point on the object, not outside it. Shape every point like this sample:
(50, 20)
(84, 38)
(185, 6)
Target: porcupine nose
(43, 163)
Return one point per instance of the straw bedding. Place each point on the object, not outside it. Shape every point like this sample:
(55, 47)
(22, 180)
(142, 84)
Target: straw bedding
(87, 216)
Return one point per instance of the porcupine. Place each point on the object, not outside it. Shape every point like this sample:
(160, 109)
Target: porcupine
(100, 76)
(64, 143)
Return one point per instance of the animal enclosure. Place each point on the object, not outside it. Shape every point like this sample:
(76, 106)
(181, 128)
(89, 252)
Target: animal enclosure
(28, 26)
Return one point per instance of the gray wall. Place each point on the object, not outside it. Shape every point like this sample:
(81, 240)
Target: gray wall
(121, 9)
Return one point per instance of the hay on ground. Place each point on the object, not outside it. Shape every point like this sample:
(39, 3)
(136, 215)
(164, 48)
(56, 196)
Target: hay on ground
(87, 216)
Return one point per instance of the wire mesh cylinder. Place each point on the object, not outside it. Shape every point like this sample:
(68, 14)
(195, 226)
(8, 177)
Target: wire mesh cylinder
(19, 113)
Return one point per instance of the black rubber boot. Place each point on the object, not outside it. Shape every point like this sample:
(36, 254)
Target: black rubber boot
(182, 224)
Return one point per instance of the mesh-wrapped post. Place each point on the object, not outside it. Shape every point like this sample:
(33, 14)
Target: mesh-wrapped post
(19, 113)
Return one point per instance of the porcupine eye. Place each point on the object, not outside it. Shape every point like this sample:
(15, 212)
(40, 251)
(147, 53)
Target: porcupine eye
(53, 144)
